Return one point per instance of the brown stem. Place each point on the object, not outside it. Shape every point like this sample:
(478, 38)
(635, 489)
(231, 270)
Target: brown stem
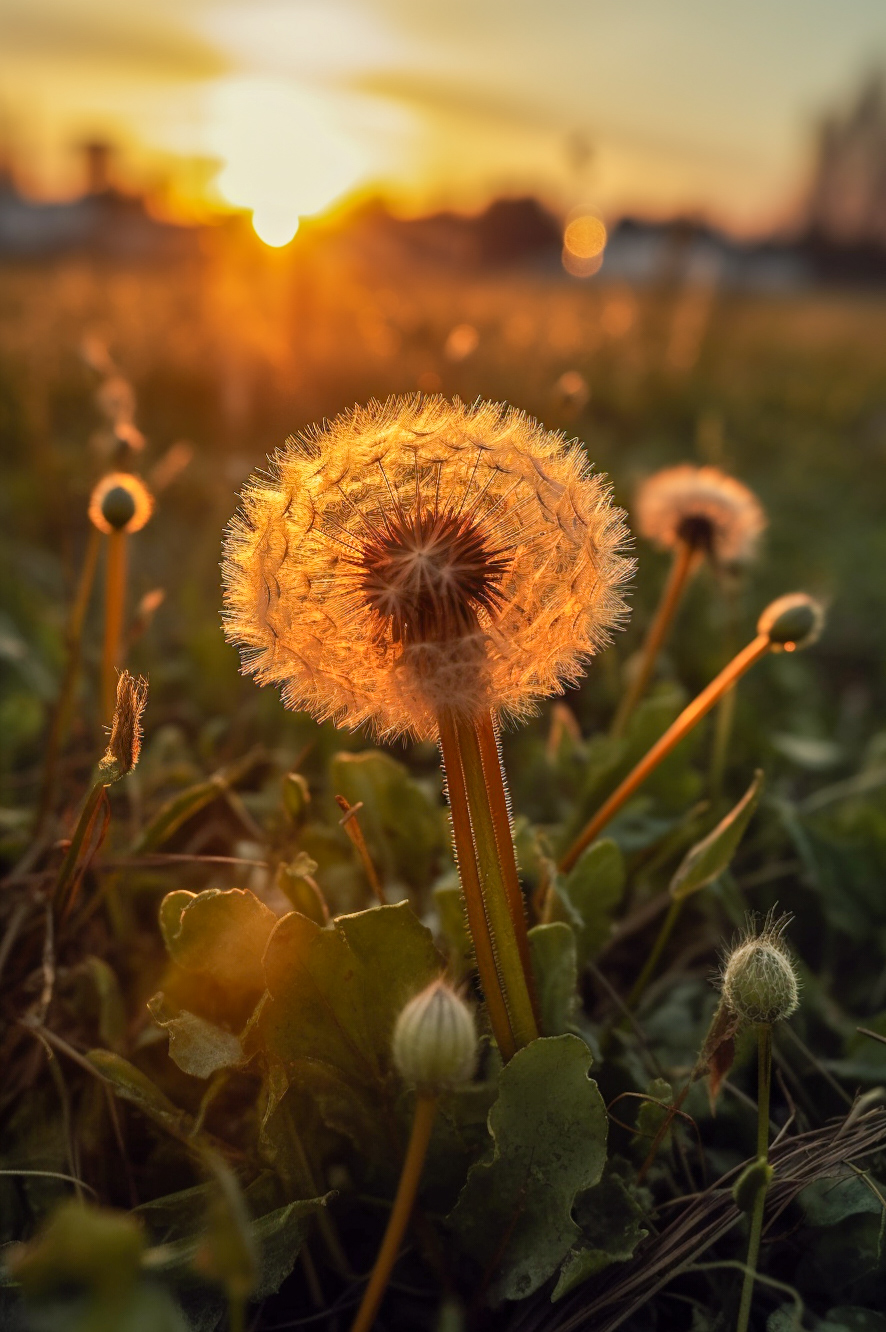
(422, 1124)
(684, 564)
(358, 841)
(689, 717)
(115, 596)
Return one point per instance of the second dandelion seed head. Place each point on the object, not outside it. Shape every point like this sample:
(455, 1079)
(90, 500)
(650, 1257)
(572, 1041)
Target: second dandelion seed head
(703, 508)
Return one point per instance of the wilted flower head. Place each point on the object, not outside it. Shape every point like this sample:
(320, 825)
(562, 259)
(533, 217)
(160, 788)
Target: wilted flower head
(124, 746)
(120, 502)
(759, 981)
(703, 507)
(421, 555)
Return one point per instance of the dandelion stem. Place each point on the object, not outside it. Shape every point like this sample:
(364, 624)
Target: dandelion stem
(764, 1084)
(422, 1124)
(73, 639)
(689, 717)
(115, 594)
(496, 946)
(683, 565)
(655, 953)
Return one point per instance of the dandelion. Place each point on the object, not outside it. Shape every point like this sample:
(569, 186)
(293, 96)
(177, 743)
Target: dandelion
(697, 513)
(426, 568)
(789, 623)
(760, 988)
(434, 1048)
(702, 508)
(119, 505)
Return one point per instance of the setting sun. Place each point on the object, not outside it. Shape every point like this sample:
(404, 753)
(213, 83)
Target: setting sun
(283, 156)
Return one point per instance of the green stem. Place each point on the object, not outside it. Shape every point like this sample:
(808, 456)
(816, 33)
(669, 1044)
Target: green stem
(655, 953)
(491, 915)
(764, 1085)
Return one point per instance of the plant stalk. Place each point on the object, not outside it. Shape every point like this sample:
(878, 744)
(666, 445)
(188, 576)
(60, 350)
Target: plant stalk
(489, 906)
(422, 1124)
(688, 718)
(73, 640)
(115, 597)
(683, 565)
(764, 1085)
(655, 953)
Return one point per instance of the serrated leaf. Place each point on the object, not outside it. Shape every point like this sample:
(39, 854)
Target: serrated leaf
(553, 953)
(610, 1218)
(708, 859)
(335, 995)
(549, 1127)
(588, 896)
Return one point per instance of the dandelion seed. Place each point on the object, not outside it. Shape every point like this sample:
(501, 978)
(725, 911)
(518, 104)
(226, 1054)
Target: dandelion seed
(424, 554)
(703, 508)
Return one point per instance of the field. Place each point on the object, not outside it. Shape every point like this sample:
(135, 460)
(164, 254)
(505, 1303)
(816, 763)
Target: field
(224, 358)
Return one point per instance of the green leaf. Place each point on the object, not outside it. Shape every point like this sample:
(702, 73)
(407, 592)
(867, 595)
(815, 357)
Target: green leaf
(130, 1084)
(849, 1318)
(450, 904)
(184, 806)
(610, 1217)
(707, 860)
(404, 830)
(588, 896)
(549, 1126)
(217, 933)
(552, 949)
(827, 1202)
(335, 995)
(200, 1048)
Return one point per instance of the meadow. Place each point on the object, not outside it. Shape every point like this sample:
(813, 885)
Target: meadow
(206, 1192)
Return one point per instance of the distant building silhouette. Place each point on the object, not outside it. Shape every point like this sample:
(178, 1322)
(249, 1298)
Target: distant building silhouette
(847, 203)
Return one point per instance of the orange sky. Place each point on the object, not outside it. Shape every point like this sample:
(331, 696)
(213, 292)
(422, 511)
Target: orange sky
(283, 106)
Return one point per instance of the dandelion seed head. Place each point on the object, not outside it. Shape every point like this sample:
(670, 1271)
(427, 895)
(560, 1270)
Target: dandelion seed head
(120, 502)
(705, 508)
(422, 554)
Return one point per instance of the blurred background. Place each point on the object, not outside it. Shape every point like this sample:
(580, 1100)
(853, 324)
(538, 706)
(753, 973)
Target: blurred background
(659, 227)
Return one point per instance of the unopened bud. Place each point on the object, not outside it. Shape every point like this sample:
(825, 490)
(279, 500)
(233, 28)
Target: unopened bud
(435, 1040)
(124, 746)
(791, 622)
(120, 502)
(759, 981)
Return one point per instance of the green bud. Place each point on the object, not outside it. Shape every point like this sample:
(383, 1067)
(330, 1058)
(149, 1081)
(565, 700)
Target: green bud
(435, 1040)
(759, 981)
(753, 1180)
(793, 621)
(118, 507)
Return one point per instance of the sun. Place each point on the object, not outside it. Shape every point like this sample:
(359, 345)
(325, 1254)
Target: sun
(284, 156)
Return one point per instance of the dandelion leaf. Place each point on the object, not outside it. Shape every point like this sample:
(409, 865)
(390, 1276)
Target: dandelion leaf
(200, 1048)
(131, 1084)
(553, 954)
(404, 829)
(707, 860)
(548, 1126)
(588, 896)
(611, 1219)
(334, 996)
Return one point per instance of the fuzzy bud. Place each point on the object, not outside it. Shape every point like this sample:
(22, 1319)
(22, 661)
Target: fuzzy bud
(759, 981)
(435, 1040)
(791, 622)
(124, 746)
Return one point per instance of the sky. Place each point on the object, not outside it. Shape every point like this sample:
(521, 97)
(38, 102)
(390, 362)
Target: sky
(286, 106)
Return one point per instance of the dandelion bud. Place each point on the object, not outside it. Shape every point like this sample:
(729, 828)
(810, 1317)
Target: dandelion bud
(759, 981)
(124, 746)
(120, 503)
(435, 1040)
(791, 622)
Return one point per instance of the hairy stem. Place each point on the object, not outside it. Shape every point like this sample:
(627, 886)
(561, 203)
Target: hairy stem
(490, 919)
(684, 564)
(688, 718)
(764, 1084)
(115, 597)
(422, 1124)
